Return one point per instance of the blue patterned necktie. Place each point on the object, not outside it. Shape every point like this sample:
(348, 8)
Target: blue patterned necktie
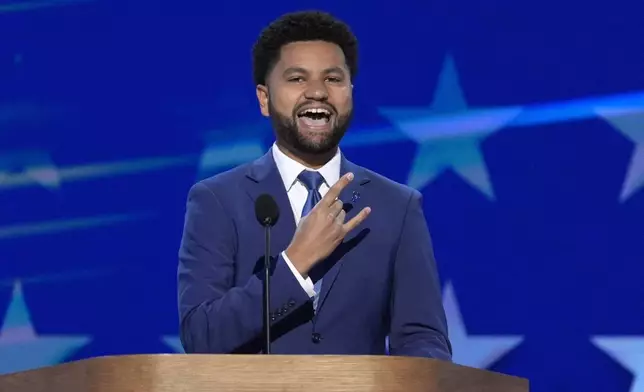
(312, 181)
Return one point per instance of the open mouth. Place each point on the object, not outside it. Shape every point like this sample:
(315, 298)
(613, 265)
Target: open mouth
(314, 117)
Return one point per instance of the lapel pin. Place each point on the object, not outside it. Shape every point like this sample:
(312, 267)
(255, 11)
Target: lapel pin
(355, 196)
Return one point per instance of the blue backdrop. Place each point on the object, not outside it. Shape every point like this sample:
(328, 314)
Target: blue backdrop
(522, 126)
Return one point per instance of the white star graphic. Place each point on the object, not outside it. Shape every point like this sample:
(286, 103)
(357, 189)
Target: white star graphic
(628, 351)
(22, 349)
(629, 121)
(449, 133)
(474, 351)
(173, 342)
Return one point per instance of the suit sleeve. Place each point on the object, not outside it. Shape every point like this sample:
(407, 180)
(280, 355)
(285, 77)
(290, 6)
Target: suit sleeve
(215, 316)
(418, 322)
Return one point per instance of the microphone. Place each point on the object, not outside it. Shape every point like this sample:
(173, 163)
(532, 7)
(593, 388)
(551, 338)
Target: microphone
(267, 212)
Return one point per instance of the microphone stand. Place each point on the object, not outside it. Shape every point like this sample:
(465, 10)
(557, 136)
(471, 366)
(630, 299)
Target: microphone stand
(267, 213)
(267, 285)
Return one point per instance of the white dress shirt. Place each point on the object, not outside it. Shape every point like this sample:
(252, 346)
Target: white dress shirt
(289, 169)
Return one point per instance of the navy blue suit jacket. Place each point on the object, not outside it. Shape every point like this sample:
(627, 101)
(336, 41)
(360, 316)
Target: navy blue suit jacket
(381, 281)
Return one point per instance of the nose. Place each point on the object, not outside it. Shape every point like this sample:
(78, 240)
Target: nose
(316, 90)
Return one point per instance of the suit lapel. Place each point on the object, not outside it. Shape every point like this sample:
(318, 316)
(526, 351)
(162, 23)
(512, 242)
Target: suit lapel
(356, 187)
(263, 177)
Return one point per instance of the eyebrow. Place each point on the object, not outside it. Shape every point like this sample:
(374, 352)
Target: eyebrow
(327, 71)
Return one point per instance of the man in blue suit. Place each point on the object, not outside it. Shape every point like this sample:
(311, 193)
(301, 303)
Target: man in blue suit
(353, 261)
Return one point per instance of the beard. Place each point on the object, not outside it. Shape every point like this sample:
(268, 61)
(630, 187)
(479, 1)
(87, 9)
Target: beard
(287, 131)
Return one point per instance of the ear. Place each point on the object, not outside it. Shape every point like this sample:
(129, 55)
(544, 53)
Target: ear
(262, 98)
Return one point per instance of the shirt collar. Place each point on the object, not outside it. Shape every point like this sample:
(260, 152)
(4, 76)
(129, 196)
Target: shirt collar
(289, 169)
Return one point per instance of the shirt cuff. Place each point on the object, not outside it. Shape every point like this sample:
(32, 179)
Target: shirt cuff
(307, 284)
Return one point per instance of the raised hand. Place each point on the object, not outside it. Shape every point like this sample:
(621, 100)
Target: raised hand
(323, 229)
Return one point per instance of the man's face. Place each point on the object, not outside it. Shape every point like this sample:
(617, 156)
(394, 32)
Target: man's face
(308, 96)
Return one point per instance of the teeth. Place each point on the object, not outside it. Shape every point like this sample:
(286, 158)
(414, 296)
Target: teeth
(316, 110)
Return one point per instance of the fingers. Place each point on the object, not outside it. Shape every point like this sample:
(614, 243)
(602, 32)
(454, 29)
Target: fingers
(357, 220)
(339, 219)
(335, 209)
(334, 192)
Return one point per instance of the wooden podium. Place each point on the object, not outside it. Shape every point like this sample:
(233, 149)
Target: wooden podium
(222, 373)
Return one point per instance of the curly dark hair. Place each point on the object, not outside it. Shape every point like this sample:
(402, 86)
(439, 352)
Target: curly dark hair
(302, 26)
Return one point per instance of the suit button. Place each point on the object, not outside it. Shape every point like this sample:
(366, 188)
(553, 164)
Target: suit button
(316, 337)
(291, 303)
